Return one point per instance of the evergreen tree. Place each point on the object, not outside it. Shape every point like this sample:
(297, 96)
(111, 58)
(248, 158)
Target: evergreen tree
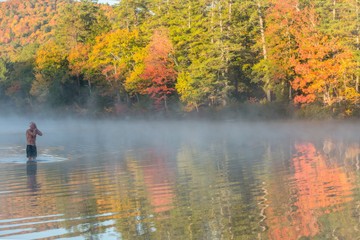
(200, 39)
(80, 23)
(131, 14)
(244, 53)
(3, 70)
(340, 19)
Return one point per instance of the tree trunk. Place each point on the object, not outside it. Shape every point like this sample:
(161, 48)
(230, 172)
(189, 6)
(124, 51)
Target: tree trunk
(230, 12)
(189, 16)
(89, 85)
(263, 42)
(165, 104)
(118, 97)
(212, 21)
(78, 84)
(290, 92)
(357, 44)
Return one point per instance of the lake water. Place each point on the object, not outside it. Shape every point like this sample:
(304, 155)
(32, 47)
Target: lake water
(181, 180)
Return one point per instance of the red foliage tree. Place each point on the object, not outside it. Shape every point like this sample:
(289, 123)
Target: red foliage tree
(159, 72)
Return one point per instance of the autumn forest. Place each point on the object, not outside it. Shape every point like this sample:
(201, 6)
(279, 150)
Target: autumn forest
(175, 57)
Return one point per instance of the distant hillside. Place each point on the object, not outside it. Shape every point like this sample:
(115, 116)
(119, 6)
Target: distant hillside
(24, 22)
(28, 21)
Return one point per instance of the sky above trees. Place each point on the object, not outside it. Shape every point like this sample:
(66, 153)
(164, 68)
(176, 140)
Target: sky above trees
(108, 1)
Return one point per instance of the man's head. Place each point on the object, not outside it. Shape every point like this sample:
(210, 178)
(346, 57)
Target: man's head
(32, 125)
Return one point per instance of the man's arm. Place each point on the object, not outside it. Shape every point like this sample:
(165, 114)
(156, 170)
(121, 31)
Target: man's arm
(38, 132)
(31, 132)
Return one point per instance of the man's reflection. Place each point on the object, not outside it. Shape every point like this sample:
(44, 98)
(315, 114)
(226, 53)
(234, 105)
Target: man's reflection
(31, 170)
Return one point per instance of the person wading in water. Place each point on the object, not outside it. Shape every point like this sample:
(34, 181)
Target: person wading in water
(31, 151)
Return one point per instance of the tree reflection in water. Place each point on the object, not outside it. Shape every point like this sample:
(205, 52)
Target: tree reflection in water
(317, 193)
(213, 188)
(31, 171)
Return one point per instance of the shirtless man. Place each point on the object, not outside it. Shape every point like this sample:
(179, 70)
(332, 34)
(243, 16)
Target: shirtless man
(31, 151)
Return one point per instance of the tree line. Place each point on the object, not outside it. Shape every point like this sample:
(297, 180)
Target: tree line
(140, 56)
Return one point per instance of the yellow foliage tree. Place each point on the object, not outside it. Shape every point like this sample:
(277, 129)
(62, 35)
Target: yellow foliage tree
(51, 72)
(112, 57)
(189, 93)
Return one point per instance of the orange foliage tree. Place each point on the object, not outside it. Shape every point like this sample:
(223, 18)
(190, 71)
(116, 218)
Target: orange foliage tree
(281, 19)
(79, 62)
(318, 67)
(159, 71)
(323, 66)
(323, 70)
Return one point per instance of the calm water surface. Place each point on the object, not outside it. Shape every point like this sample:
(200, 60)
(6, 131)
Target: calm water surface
(181, 180)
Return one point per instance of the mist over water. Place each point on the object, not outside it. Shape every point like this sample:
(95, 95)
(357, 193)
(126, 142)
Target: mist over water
(111, 179)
